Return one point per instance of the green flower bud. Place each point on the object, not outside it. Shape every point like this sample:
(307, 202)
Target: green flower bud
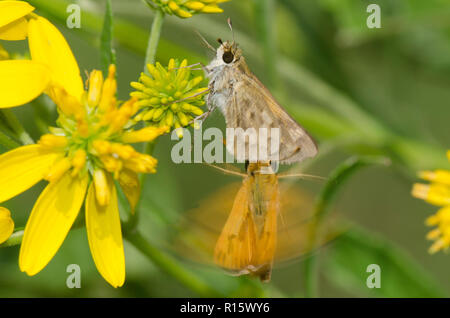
(186, 9)
(169, 95)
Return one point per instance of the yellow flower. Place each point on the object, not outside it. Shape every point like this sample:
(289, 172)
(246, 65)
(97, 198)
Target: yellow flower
(84, 154)
(436, 193)
(169, 96)
(186, 8)
(6, 224)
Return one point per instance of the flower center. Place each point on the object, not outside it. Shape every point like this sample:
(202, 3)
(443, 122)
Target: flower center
(93, 134)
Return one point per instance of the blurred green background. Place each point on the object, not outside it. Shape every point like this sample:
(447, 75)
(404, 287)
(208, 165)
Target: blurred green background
(358, 91)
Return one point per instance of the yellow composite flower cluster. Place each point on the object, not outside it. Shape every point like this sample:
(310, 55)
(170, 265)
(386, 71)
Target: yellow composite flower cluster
(169, 96)
(187, 8)
(80, 158)
(436, 193)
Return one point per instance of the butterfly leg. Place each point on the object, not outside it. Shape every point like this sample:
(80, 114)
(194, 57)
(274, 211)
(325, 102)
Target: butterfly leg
(202, 117)
(190, 67)
(205, 115)
(204, 68)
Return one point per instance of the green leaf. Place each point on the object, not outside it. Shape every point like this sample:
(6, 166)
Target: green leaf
(7, 142)
(400, 275)
(108, 55)
(339, 176)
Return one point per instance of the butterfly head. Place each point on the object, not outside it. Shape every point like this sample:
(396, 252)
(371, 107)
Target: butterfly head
(228, 53)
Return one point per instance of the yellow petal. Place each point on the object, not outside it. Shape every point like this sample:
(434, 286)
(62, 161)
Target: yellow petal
(48, 46)
(109, 90)
(105, 236)
(440, 176)
(212, 9)
(21, 81)
(129, 182)
(194, 5)
(50, 141)
(6, 224)
(15, 31)
(68, 104)
(143, 135)
(102, 190)
(173, 5)
(50, 221)
(11, 11)
(183, 13)
(22, 168)
(58, 170)
(95, 88)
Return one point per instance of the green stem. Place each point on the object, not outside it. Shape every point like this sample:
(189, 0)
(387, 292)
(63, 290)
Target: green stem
(14, 239)
(153, 40)
(150, 56)
(17, 127)
(170, 266)
(7, 142)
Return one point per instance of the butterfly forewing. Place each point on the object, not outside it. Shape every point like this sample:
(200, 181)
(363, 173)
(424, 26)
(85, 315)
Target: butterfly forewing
(205, 232)
(247, 103)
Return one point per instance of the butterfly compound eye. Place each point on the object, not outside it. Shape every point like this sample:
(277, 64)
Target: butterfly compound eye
(228, 57)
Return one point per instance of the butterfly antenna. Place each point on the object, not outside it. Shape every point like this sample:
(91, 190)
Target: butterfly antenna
(230, 24)
(209, 46)
(300, 175)
(226, 171)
